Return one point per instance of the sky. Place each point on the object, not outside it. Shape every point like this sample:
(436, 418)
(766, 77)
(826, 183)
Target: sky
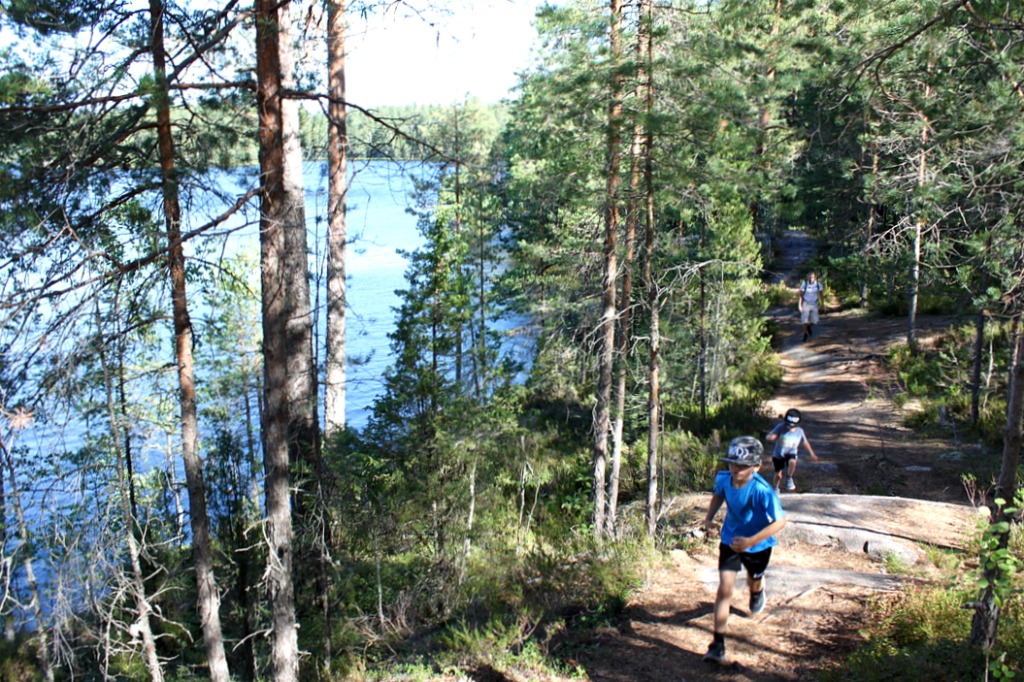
(475, 50)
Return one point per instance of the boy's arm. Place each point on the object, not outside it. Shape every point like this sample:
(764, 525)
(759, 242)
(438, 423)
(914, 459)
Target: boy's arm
(713, 507)
(742, 544)
(810, 450)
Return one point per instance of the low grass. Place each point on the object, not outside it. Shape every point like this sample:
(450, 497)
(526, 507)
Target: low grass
(923, 632)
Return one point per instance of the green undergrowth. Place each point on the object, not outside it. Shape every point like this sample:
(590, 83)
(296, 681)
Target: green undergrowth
(922, 632)
(939, 375)
(530, 611)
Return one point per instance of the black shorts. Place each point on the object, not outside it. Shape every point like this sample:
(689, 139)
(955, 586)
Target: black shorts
(780, 462)
(756, 563)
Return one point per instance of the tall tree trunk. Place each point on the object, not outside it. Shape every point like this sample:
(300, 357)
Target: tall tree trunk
(702, 338)
(459, 353)
(650, 286)
(481, 368)
(758, 221)
(244, 559)
(979, 347)
(915, 282)
(207, 594)
(985, 623)
(919, 225)
(606, 346)
(337, 234)
(337, 229)
(284, 655)
(303, 436)
(976, 363)
(870, 226)
(624, 315)
(129, 460)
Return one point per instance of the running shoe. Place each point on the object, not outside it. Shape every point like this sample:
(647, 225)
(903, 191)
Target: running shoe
(757, 600)
(790, 485)
(716, 653)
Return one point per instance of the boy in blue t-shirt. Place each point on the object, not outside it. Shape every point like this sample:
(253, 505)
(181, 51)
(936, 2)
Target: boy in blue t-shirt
(753, 516)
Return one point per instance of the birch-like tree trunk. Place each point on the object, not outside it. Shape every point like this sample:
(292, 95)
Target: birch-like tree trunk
(337, 230)
(337, 233)
(622, 337)
(606, 341)
(919, 225)
(207, 596)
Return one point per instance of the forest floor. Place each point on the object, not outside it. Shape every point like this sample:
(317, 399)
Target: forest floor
(880, 491)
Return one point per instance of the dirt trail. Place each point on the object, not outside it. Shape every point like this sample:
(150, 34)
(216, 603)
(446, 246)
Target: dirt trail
(879, 490)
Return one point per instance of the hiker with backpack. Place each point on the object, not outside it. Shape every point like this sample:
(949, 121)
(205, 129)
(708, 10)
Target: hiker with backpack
(810, 290)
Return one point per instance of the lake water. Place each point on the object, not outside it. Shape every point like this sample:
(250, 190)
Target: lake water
(379, 225)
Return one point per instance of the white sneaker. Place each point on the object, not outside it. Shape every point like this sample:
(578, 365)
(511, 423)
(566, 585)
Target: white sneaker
(790, 485)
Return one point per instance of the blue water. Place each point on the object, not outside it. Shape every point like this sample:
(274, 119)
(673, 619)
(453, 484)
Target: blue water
(379, 225)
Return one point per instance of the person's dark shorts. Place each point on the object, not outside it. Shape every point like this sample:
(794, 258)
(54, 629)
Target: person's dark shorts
(780, 463)
(756, 563)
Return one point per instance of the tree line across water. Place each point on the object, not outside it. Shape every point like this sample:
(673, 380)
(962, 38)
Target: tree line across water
(621, 213)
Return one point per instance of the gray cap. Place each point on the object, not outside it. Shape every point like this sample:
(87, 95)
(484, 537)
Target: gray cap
(744, 451)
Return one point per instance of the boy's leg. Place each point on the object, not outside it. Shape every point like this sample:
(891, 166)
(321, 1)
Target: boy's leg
(756, 564)
(729, 564)
(755, 584)
(723, 600)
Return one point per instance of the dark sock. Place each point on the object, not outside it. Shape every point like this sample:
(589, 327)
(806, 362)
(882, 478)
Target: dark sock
(719, 638)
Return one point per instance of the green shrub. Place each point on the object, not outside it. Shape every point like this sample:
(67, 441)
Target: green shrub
(924, 630)
(687, 462)
(923, 633)
(779, 294)
(18, 663)
(939, 374)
